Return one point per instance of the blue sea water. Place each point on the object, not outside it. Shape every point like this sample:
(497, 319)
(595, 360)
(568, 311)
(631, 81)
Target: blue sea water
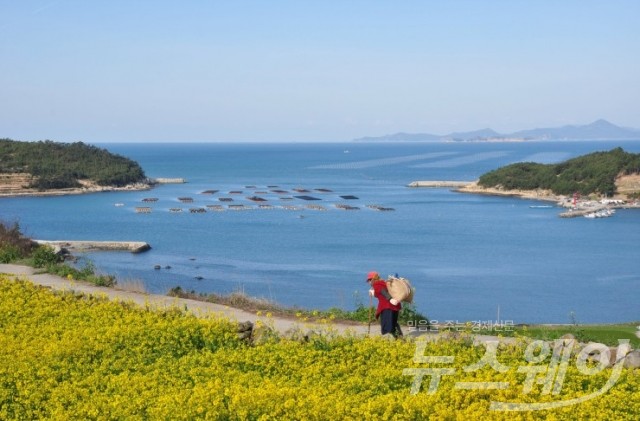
(466, 255)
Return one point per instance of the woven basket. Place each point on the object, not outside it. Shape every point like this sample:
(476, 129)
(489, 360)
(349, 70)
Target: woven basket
(400, 289)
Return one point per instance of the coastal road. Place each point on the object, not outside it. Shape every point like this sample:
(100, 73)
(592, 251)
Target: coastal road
(198, 308)
(202, 309)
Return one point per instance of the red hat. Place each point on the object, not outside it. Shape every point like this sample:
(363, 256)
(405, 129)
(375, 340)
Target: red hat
(372, 275)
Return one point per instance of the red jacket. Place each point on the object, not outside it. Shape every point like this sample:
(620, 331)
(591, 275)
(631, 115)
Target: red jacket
(381, 293)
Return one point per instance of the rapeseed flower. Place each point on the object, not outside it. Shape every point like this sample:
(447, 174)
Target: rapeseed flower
(70, 356)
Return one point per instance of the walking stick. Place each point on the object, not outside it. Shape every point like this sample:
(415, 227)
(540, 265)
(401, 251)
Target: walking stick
(370, 310)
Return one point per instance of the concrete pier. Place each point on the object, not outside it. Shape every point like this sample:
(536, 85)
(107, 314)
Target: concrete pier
(574, 213)
(132, 246)
(439, 183)
(168, 180)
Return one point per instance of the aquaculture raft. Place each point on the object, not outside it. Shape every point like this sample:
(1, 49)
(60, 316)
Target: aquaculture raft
(259, 197)
(380, 208)
(346, 207)
(316, 207)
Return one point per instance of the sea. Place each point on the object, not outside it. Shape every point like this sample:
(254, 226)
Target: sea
(319, 229)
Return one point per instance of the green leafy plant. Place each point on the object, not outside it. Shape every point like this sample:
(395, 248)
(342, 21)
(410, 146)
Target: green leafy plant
(44, 256)
(13, 244)
(85, 273)
(9, 253)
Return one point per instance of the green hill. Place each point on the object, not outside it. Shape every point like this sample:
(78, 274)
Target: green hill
(593, 173)
(54, 165)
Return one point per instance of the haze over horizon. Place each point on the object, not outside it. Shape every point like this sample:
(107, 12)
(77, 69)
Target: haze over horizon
(312, 71)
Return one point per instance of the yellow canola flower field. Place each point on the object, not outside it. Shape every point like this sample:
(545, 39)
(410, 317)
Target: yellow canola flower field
(72, 357)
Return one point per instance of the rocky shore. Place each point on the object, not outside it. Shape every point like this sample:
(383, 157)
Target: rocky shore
(13, 185)
(581, 208)
(539, 194)
(474, 188)
(20, 191)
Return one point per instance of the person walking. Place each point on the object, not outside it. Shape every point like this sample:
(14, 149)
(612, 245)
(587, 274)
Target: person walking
(388, 307)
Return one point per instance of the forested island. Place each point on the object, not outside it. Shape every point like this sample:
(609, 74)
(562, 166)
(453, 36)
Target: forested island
(46, 166)
(599, 173)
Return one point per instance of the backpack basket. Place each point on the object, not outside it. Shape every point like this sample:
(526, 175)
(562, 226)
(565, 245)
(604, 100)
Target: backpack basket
(400, 289)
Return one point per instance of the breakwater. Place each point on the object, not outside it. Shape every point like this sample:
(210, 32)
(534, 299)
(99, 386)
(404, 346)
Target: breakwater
(439, 183)
(132, 246)
(168, 181)
(574, 213)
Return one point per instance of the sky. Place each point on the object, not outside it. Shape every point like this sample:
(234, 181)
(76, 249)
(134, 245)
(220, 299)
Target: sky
(312, 71)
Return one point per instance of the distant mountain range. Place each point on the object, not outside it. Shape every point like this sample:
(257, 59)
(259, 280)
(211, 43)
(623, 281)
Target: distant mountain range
(600, 129)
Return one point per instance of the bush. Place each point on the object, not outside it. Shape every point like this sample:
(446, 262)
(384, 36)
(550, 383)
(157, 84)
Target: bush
(409, 313)
(101, 280)
(9, 253)
(44, 256)
(86, 273)
(13, 244)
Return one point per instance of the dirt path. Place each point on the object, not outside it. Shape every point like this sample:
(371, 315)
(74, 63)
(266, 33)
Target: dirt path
(162, 301)
(200, 308)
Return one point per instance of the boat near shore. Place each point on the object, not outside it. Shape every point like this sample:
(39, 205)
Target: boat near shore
(603, 213)
(603, 208)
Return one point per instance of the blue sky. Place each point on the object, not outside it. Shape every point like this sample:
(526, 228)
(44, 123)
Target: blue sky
(122, 71)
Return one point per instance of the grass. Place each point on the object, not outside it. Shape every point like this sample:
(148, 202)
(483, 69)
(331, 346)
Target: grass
(86, 273)
(607, 334)
(361, 314)
(132, 285)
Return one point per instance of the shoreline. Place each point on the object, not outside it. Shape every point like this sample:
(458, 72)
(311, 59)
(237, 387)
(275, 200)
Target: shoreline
(542, 195)
(583, 206)
(89, 188)
(571, 210)
(472, 187)
(76, 191)
(59, 283)
(291, 326)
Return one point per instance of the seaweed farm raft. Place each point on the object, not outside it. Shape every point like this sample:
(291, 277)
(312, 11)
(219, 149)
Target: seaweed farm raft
(267, 197)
